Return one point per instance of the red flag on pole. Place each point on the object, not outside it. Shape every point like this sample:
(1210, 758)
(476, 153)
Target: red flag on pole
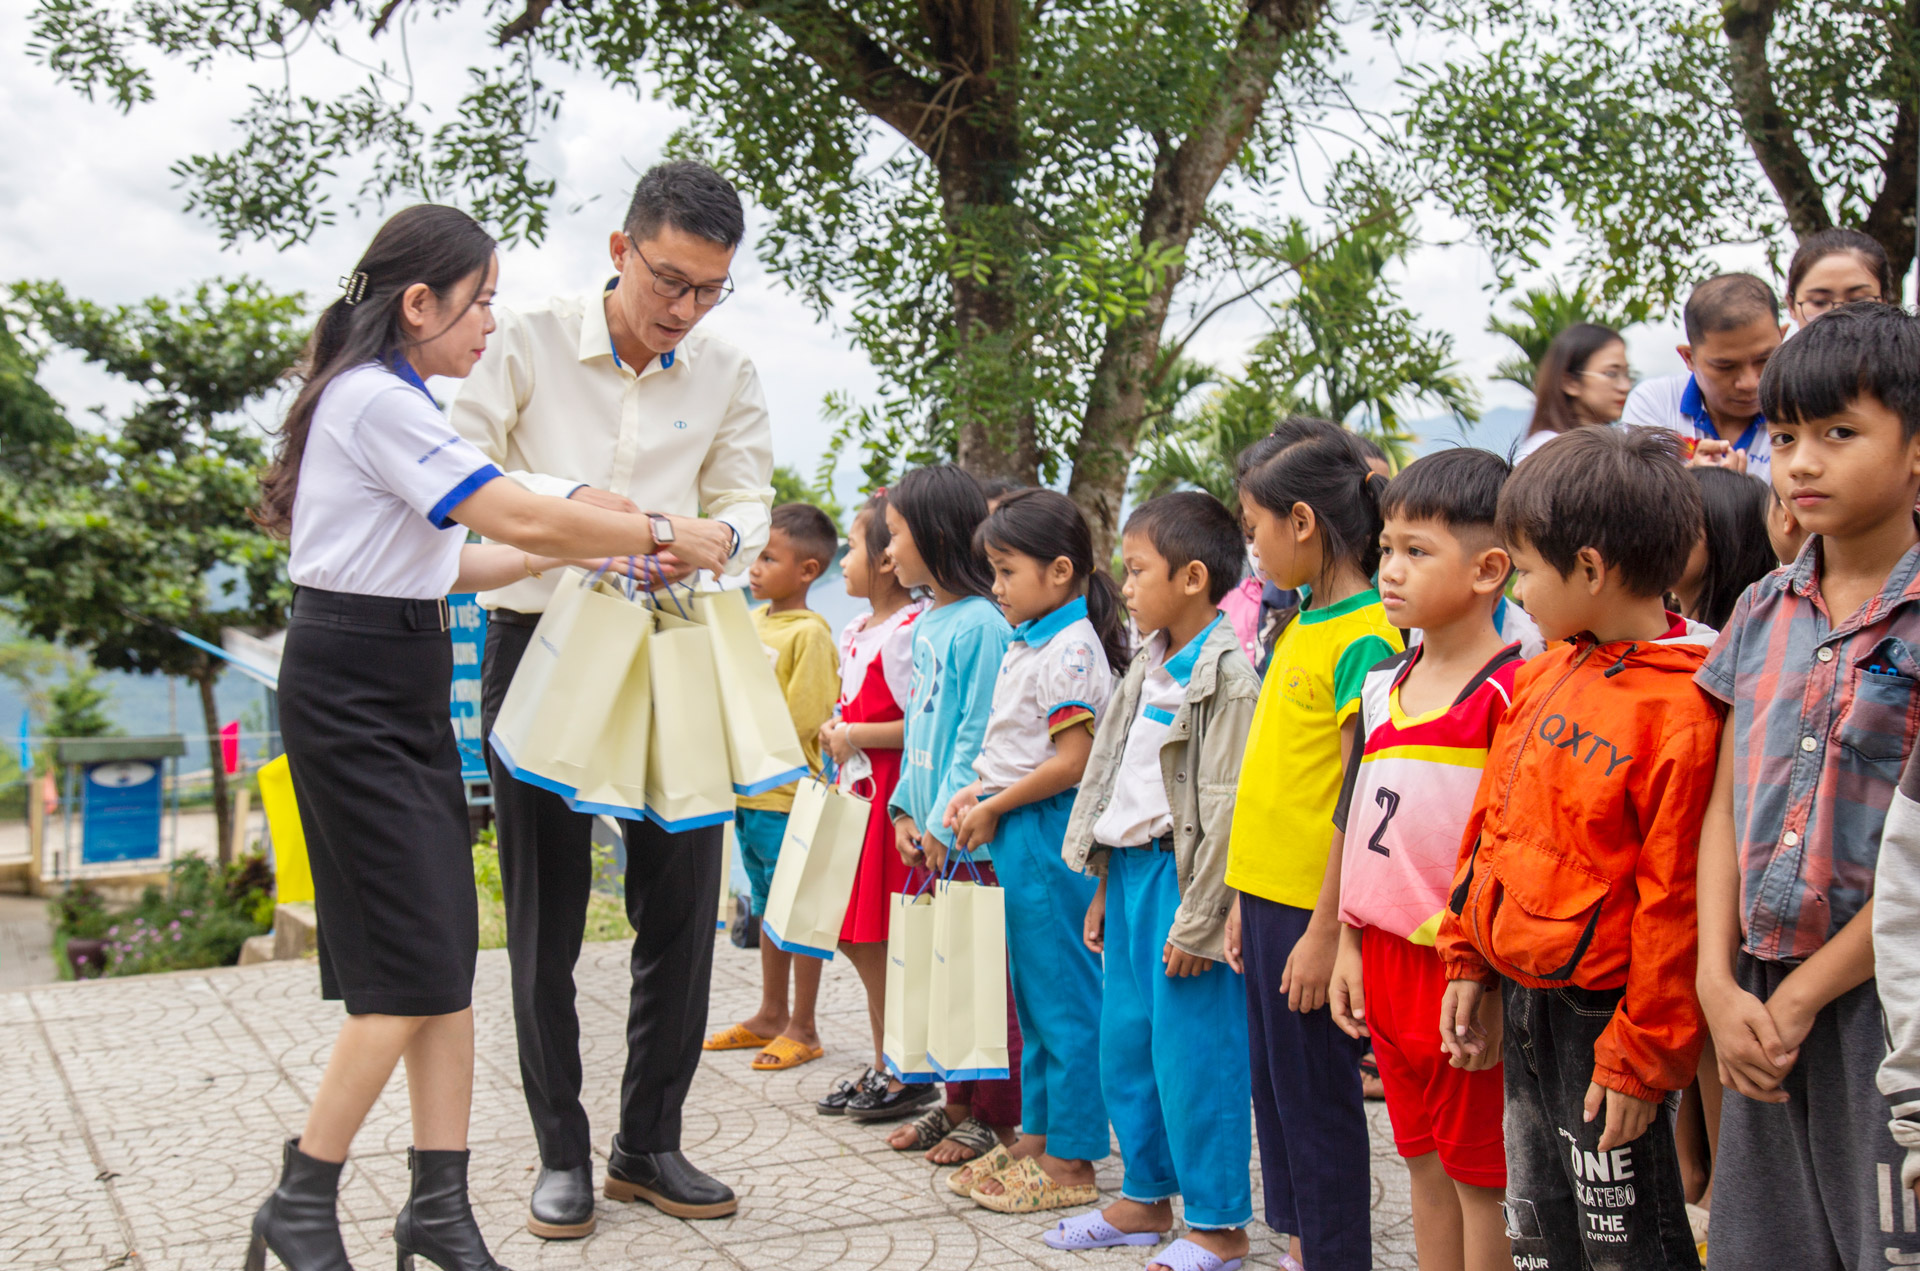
(230, 747)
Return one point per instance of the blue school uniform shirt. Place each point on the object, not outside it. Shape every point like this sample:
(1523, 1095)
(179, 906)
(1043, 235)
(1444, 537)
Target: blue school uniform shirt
(957, 651)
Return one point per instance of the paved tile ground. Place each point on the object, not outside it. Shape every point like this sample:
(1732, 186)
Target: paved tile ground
(140, 1123)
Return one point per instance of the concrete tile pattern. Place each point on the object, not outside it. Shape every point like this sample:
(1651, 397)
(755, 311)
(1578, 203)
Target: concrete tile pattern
(140, 1124)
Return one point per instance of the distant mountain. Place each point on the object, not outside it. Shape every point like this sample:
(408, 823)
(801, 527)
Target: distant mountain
(1499, 430)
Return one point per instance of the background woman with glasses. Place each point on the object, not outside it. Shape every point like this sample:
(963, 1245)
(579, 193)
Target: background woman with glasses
(1582, 380)
(1836, 267)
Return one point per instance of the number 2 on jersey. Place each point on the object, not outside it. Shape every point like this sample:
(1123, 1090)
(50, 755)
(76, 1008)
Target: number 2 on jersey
(1389, 800)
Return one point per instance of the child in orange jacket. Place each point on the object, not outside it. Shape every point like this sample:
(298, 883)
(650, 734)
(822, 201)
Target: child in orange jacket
(1576, 876)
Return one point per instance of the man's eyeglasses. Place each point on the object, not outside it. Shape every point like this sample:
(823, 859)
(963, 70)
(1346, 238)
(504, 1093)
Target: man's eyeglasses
(672, 288)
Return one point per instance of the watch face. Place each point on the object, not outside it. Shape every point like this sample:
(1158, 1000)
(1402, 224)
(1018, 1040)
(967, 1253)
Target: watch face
(662, 530)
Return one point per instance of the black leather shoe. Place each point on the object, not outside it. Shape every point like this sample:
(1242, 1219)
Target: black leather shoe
(890, 1105)
(437, 1222)
(835, 1104)
(562, 1204)
(668, 1182)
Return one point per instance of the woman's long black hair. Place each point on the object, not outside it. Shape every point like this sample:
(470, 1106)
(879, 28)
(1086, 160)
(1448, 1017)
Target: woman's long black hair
(1046, 525)
(1739, 553)
(1567, 356)
(1330, 475)
(439, 246)
(943, 506)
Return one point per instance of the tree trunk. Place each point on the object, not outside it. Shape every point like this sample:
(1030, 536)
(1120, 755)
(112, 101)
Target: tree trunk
(210, 714)
(1183, 179)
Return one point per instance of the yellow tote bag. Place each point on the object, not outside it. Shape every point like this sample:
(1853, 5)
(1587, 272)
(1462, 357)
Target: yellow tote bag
(813, 879)
(293, 876)
(763, 751)
(687, 782)
(549, 728)
(615, 782)
(909, 984)
(967, 1020)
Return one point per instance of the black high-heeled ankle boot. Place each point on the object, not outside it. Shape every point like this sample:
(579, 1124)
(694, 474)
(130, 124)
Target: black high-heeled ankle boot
(299, 1222)
(437, 1222)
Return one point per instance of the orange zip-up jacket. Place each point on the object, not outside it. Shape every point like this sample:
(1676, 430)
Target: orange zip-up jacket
(1579, 860)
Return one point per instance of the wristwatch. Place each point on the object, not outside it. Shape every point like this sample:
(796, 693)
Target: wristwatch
(662, 528)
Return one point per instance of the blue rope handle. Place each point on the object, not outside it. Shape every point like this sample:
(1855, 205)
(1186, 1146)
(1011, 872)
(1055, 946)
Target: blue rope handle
(924, 887)
(949, 870)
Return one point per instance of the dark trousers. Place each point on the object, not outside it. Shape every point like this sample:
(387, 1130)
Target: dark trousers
(1308, 1111)
(673, 893)
(1569, 1206)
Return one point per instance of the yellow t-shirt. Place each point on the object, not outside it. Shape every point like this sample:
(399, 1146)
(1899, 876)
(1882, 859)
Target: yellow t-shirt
(1290, 774)
(807, 664)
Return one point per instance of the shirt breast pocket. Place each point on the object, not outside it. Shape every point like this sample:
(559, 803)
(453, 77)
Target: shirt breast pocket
(1877, 725)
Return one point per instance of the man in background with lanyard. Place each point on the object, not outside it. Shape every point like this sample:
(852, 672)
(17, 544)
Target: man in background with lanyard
(611, 397)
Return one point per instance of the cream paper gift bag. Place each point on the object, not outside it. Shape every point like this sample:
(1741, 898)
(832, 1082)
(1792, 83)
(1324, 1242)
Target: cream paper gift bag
(909, 987)
(562, 695)
(687, 782)
(615, 781)
(813, 879)
(763, 751)
(967, 1026)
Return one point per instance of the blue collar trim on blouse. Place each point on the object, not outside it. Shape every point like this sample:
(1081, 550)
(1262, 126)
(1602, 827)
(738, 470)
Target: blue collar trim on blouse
(1180, 665)
(404, 369)
(1036, 633)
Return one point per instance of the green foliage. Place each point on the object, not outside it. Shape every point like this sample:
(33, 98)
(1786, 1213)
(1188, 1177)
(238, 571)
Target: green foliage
(29, 417)
(1343, 347)
(606, 913)
(76, 707)
(1543, 313)
(199, 919)
(790, 487)
(1661, 130)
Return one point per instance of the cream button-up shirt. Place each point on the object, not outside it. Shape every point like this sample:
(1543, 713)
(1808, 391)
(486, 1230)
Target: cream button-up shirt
(687, 434)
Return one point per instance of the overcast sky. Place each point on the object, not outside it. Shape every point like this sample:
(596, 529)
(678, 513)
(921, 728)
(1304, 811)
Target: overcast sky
(86, 198)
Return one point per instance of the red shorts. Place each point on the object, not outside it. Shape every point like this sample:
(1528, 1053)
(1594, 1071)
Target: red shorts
(1433, 1105)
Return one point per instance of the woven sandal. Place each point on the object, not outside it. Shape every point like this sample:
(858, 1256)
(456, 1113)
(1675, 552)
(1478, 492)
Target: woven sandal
(783, 1052)
(1026, 1189)
(928, 1129)
(734, 1037)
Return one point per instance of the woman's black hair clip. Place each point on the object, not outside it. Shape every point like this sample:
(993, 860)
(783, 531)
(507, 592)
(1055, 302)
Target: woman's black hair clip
(354, 286)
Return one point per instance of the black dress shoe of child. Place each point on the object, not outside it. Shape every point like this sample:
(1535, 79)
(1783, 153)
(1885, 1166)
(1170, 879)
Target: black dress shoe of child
(891, 1105)
(835, 1104)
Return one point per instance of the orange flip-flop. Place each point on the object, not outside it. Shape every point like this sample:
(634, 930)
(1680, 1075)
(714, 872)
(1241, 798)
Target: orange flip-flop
(734, 1037)
(783, 1052)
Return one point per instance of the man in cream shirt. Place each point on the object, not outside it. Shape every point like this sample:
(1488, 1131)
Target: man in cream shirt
(610, 396)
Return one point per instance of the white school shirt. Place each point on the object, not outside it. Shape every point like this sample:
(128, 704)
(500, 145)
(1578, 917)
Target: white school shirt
(1137, 811)
(381, 471)
(1053, 676)
(686, 434)
(1673, 402)
(862, 641)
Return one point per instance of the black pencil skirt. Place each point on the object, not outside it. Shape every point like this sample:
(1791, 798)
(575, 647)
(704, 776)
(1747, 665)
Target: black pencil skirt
(364, 682)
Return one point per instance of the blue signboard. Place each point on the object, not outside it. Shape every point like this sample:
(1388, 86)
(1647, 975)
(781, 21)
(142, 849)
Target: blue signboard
(120, 807)
(468, 623)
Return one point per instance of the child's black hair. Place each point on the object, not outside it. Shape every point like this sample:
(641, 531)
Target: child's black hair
(871, 521)
(1460, 488)
(1739, 553)
(1621, 491)
(1045, 525)
(942, 506)
(1191, 525)
(810, 530)
(1330, 475)
(1863, 349)
(1288, 432)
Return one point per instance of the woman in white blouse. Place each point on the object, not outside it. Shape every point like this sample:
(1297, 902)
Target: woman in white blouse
(1581, 381)
(377, 493)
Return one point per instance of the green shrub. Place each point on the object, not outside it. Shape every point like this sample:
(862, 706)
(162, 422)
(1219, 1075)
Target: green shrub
(199, 919)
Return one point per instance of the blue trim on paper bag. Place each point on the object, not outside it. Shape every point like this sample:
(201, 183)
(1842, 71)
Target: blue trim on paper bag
(908, 1078)
(791, 946)
(771, 783)
(518, 773)
(968, 1074)
(689, 823)
(619, 811)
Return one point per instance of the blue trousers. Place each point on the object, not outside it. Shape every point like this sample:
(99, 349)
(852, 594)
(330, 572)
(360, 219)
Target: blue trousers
(1056, 981)
(1307, 1105)
(759, 834)
(1172, 1055)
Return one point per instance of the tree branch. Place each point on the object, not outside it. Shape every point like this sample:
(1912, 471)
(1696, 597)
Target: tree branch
(523, 25)
(1748, 25)
(1890, 219)
(844, 49)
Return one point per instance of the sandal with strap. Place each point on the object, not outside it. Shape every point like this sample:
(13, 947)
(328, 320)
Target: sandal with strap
(1184, 1255)
(1026, 1189)
(974, 1135)
(992, 1164)
(928, 1129)
(783, 1053)
(1092, 1231)
(734, 1037)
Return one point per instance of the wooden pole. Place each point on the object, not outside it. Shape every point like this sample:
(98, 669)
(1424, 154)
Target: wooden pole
(242, 801)
(36, 834)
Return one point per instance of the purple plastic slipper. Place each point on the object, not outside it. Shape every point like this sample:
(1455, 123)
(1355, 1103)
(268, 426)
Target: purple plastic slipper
(1091, 1231)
